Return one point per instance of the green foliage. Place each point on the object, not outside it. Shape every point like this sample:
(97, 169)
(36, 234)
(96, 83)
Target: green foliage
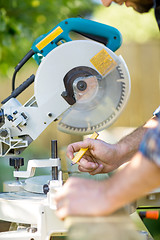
(21, 22)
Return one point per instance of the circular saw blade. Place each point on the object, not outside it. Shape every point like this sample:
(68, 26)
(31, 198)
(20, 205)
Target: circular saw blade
(100, 104)
(101, 88)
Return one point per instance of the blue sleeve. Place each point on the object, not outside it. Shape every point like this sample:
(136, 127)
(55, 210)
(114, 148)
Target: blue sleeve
(150, 145)
(157, 112)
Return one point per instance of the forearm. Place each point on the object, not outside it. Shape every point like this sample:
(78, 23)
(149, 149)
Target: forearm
(129, 145)
(100, 198)
(138, 178)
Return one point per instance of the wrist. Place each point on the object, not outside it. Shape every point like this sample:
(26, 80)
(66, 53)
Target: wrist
(122, 152)
(126, 150)
(109, 201)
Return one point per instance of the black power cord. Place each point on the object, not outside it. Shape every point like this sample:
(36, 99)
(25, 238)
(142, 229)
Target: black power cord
(20, 65)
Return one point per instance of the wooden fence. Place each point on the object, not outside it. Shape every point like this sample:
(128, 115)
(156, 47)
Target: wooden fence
(143, 61)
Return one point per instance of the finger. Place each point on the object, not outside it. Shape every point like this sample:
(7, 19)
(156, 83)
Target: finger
(61, 193)
(58, 196)
(81, 169)
(72, 148)
(88, 165)
(62, 213)
(99, 169)
(75, 147)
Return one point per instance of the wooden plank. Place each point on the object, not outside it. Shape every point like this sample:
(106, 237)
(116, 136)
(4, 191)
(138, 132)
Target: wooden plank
(117, 226)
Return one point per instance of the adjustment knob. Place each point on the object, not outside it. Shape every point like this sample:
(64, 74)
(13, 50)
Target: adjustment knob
(45, 188)
(3, 133)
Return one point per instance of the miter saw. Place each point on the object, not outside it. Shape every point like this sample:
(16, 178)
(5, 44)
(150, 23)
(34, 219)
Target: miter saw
(81, 83)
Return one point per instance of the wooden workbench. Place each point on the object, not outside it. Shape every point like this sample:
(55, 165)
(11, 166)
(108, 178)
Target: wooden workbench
(117, 226)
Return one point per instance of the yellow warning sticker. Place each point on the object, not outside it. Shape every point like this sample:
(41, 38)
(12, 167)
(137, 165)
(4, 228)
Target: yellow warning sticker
(103, 62)
(50, 37)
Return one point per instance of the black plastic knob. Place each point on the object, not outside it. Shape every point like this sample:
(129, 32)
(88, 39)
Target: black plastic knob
(16, 162)
(45, 188)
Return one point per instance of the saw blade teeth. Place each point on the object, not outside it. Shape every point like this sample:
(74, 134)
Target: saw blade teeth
(123, 92)
(89, 130)
(120, 71)
(72, 129)
(110, 118)
(120, 103)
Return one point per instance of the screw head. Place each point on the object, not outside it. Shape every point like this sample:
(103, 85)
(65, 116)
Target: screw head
(49, 114)
(81, 85)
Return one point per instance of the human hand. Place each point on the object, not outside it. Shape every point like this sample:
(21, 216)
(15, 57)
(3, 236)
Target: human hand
(82, 197)
(101, 157)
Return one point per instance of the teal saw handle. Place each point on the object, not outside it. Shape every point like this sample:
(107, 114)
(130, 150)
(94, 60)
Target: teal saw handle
(44, 44)
(102, 33)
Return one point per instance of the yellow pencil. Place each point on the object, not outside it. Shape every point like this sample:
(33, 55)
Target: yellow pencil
(82, 151)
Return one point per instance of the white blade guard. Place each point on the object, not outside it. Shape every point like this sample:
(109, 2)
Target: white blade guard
(100, 82)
